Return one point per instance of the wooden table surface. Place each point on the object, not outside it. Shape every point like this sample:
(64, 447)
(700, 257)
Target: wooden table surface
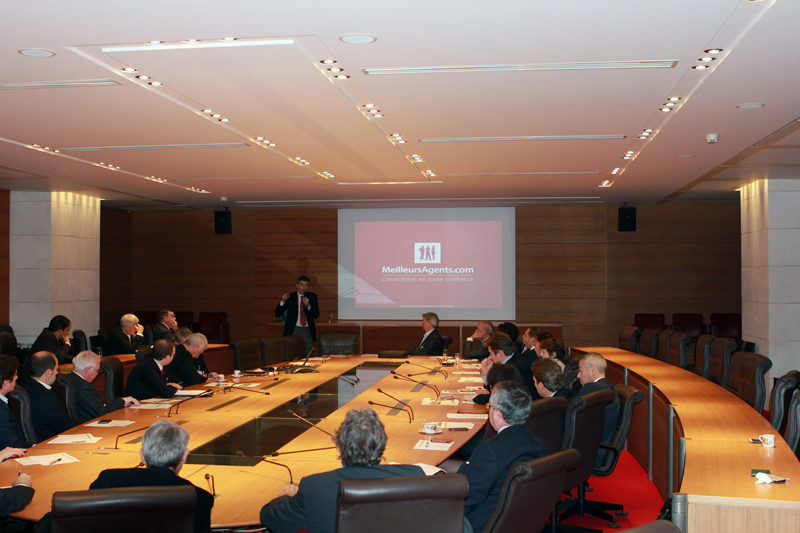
(716, 427)
(243, 490)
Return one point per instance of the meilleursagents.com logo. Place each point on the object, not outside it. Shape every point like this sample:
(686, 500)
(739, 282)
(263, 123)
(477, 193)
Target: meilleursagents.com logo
(427, 252)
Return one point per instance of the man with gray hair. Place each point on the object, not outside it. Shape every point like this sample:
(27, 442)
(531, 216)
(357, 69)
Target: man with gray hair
(592, 375)
(86, 367)
(431, 343)
(361, 441)
(126, 338)
(187, 366)
(509, 407)
(164, 451)
(474, 348)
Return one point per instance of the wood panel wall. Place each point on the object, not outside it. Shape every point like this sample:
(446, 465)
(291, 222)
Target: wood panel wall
(5, 265)
(573, 266)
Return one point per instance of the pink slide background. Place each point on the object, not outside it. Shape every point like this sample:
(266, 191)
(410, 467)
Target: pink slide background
(475, 245)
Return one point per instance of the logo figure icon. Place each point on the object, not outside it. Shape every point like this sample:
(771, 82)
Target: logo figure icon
(427, 252)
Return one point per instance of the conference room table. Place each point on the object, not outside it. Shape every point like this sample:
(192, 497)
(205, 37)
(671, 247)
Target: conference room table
(231, 430)
(693, 437)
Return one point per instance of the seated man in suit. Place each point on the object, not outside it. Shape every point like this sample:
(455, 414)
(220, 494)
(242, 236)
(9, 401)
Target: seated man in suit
(55, 339)
(10, 430)
(474, 348)
(147, 379)
(85, 368)
(166, 326)
(528, 341)
(548, 378)
(184, 367)
(164, 451)
(491, 461)
(17, 496)
(360, 440)
(127, 337)
(511, 329)
(48, 415)
(431, 343)
(503, 350)
(592, 374)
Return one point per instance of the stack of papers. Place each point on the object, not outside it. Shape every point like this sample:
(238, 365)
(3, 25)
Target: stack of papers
(439, 401)
(477, 379)
(78, 438)
(459, 373)
(109, 423)
(451, 425)
(47, 460)
(465, 390)
(189, 393)
(151, 406)
(468, 415)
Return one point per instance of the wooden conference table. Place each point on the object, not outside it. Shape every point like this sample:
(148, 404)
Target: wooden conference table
(243, 488)
(707, 430)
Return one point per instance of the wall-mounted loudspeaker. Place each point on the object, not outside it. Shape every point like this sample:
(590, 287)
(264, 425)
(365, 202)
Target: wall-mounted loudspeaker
(627, 218)
(222, 222)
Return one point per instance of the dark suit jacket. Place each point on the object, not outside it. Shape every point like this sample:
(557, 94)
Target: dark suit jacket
(160, 331)
(611, 411)
(431, 346)
(314, 506)
(10, 430)
(562, 417)
(145, 381)
(47, 342)
(530, 356)
(157, 477)
(14, 499)
(183, 369)
(488, 466)
(88, 401)
(291, 308)
(118, 343)
(524, 368)
(476, 350)
(48, 415)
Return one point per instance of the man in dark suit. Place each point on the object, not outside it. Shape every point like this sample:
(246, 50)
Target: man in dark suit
(431, 343)
(474, 348)
(10, 430)
(509, 407)
(592, 374)
(147, 379)
(47, 414)
(126, 338)
(166, 326)
(164, 451)
(548, 377)
(360, 440)
(17, 496)
(183, 367)
(85, 368)
(503, 350)
(528, 342)
(302, 309)
(55, 339)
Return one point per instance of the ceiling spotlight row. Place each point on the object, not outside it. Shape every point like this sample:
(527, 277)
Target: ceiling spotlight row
(672, 101)
(396, 137)
(44, 148)
(617, 171)
(338, 72)
(262, 140)
(301, 161)
(430, 174)
(108, 165)
(417, 159)
(605, 183)
(192, 41)
(630, 154)
(143, 77)
(371, 110)
(705, 60)
(328, 174)
(646, 134)
(217, 116)
(157, 180)
(195, 189)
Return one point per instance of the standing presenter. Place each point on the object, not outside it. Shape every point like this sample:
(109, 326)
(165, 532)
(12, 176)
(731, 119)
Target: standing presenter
(301, 308)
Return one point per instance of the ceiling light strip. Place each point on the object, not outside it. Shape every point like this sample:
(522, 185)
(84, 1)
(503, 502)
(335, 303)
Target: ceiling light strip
(590, 65)
(590, 173)
(524, 138)
(510, 199)
(389, 183)
(195, 46)
(153, 147)
(59, 84)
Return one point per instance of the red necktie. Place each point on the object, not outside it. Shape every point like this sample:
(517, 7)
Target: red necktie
(162, 374)
(302, 312)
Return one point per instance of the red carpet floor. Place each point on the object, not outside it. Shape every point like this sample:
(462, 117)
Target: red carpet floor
(629, 486)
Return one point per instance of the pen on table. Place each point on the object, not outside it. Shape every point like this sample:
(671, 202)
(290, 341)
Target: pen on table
(55, 461)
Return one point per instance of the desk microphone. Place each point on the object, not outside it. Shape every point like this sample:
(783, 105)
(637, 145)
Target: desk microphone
(398, 376)
(209, 392)
(210, 479)
(337, 352)
(429, 368)
(346, 380)
(276, 454)
(398, 401)
(291, 479)
(313, 425)
(393, 407)
(116, 443)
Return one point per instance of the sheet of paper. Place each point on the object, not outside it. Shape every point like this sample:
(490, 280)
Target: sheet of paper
(433, 446)
(460, 391)
(439, 401)
(467, 415)
(247, 385)
(111, 424)
(159, 400)
(460, 373)
(78, 438)
(428, 469)
(451, 425)
(47, 460)
(152, 406)
(468, 379)
(189, 393)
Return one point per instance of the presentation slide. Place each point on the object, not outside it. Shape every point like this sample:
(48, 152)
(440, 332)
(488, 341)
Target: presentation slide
(397, 264)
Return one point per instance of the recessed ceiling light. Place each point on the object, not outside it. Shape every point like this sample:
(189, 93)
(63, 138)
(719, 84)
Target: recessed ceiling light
(665, 109)
(674, 98)
(229, 38)
(368, 106)
(306, 163)
(156, 83)
(377, 116)
(259, 138)
(713, 50)
(749, 106)
(630, 152)
(643, 137)
(700, 67)
(401, 142)
(328, 61)
(297, 159)
(670, 104)
(142, 77)
(191, 41)
(207, 111)
(272, 144)
(155, 42)
(626, 157)
(335, 69)
(707, 59)
(374, 110)
(36, 52)
(216, 115)
(341, 76)
(648, 130)
(129, 69)
(358, 39)
(224, 120)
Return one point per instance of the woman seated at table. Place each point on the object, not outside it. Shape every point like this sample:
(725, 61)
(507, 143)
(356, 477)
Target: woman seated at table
(552, 349)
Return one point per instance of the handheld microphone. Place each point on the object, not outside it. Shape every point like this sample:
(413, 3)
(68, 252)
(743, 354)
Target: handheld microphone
(398, 401)
(291, 478)
(313, 425)
(209, 392)
(276, 454)
(429, 368)
(393, 407)
(398, 376)
(116, 443)
(337, 352)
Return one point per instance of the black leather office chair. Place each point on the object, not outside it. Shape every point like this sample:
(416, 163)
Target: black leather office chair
(530, 490)
(79, 341)
(65, 390)
(629, 338)
(648, 343)
(677, 349)
(111, 368)
(446, 342)
(719, 355)
(747, 378)
(148, 335)
(295, 347)
(20, 405)
(402, 504)
(662, 348)
(793, 424)
(544, 421)
(781, 397)
(338, 342)
(702, 357)
(274, 350)
(125, 510)
(248, 354)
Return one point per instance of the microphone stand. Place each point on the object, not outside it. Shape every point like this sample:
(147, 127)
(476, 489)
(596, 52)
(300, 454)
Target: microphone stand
(209, 392)
(337, 352)
(116, 443)
(429, 368)
(403, 409)
(276, 454)
(291, 478)
(313, 425)
(398, 401)
(398, 376)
